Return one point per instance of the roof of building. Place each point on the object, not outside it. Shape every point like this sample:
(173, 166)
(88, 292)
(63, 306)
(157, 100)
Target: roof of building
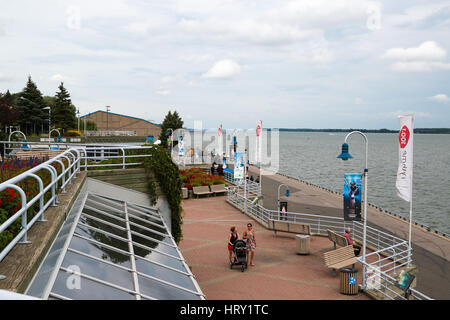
(122, 115)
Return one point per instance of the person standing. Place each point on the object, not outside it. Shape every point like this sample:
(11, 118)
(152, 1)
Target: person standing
(232, 238)
(249, 235)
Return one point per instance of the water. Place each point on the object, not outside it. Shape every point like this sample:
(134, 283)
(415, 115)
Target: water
(312, 157)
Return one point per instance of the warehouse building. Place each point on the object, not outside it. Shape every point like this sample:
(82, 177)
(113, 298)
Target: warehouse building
(111, 123)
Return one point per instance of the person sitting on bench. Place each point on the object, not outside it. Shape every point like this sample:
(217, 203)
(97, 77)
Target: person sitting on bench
(350, 241)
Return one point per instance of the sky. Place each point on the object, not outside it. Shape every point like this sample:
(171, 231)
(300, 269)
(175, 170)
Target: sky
(291, 64)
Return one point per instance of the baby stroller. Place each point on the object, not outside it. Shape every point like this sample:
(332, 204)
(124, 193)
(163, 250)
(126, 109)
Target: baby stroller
(240, 255)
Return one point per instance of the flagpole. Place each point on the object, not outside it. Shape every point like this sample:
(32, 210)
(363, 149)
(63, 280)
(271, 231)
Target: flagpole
(410, 219)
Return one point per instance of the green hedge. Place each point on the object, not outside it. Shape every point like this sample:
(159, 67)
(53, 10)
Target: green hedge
(161, 168)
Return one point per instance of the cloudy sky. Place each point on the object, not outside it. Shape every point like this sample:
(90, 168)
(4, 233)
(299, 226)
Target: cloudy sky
(300, 63)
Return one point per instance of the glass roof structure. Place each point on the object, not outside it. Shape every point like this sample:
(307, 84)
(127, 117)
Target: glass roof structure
(111, 249)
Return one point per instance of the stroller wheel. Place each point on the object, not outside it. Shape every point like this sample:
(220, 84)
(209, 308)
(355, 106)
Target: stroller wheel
(231, 265)
(242, 268)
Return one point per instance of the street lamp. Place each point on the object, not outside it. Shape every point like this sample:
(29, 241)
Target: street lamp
(49, 110)
(344, 156)
(287, 194)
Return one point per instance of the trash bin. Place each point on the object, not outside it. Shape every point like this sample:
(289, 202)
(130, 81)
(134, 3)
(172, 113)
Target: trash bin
(348, 281)
(302, 242)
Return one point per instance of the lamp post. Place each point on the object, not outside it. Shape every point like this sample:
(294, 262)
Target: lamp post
(78, 117)
(108, 108)
(287, 194)
(49, 110)
(345, 155)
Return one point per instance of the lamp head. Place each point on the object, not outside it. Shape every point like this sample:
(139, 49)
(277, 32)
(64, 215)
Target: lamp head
(345, 155)
(288, 192)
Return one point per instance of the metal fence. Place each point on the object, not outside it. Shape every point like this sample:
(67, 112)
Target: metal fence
(76, 159)
(252, 186)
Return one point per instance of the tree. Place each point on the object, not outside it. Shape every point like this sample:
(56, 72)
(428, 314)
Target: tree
(30, 107)
(63, 111)
(171, 121)
(9, 115)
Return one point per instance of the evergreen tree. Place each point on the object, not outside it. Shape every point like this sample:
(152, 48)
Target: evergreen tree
(63, 111)
(171, 121)
(9, 115)
(30, 106)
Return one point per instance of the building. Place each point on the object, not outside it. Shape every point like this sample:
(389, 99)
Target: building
(109, 121)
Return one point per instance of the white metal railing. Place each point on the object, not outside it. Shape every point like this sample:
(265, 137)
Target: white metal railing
(252, 186)
(390, 252)
(74, 158)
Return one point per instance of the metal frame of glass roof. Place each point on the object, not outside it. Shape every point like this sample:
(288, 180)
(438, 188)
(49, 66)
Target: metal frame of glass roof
(118, 250)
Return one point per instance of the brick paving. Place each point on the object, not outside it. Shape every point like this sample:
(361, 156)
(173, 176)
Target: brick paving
(279, 273)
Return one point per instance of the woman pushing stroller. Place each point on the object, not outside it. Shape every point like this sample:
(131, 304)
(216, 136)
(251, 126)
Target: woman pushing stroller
(232, 238)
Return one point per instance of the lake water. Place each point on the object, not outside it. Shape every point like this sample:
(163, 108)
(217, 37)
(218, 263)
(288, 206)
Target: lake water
(312, 157)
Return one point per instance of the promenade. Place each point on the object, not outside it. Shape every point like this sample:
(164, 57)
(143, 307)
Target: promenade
(431, 252)
(279, 273)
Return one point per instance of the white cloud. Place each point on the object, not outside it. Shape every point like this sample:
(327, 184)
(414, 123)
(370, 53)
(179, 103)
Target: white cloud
(442, 98)
(226, 68)
(59, 77)
(163, 92)
(428, 56)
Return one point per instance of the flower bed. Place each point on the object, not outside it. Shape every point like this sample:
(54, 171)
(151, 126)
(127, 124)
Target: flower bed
(196, 177)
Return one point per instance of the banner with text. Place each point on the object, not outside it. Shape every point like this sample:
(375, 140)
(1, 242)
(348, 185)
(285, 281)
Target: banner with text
(405, 157)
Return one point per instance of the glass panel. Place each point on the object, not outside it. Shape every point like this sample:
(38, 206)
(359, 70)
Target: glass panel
(99, 215)
(109, 209)
(162, 291)
(165, 274)
(66, 285)
(99, 270)
(102, 226)
(152, 218)
(100, 252)
(146, 232)
(161, 229)
(110, 202)
(158, 257)
(155, 245)
(101, 237)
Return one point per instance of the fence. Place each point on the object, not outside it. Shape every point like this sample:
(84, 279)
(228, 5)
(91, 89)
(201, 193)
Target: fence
(252, 186)
(91, 157)
(390, 252)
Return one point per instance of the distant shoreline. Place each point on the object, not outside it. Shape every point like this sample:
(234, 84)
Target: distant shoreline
(416, 130)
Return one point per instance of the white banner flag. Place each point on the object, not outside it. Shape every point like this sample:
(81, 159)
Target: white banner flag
(405, 158)
(258, 149)
(219, 141)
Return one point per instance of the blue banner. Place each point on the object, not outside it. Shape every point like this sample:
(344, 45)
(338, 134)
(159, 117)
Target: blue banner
(239, 165)
(352, 196)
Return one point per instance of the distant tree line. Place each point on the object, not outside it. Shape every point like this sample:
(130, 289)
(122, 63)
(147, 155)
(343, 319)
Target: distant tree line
(30, 111)
(416, 130)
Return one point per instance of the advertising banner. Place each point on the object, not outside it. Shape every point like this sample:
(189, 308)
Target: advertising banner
(352, 197)
(239, 165)
(405, 158)
(180, 146)
(219, 141)
(258, 150)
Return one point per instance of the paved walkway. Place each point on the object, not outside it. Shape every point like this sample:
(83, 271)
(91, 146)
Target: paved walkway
(279, 273)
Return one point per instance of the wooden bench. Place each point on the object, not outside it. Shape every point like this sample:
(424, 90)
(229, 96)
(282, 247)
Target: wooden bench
(337, 239)
(198, 191)
(286, 226)
(340, 258)
(41, 154)
(218, 188)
